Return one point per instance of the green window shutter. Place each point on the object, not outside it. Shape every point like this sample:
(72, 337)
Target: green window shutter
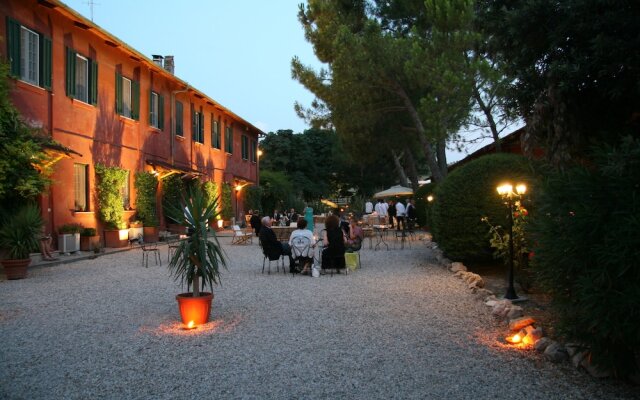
(118, 93)
(194, 134)
(201, 133)
(150, 106)
(13, 46)
(160, 112)
(135, 100)
(45, 62)
(70, 81)
(93, 82)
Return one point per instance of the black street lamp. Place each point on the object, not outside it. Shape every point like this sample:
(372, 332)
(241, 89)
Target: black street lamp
(507, 193)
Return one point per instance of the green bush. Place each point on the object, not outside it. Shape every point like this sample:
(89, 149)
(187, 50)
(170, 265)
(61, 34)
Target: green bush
(586, 250)
(253, 197)
(70, 228)
(110, 181)
(20, 232)
(210, 191)
(146, 185)
(226, 210)
(423, 206)
(172, 189)
(469, 194)
(88, 232)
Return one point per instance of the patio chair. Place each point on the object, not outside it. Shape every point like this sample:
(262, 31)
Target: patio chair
(267, 257)
(241, 236)
(150, 248)
(300, 250)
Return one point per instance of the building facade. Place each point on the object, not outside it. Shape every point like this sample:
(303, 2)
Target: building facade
(114, 106)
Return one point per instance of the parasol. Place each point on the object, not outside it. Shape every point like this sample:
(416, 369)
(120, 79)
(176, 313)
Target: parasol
(393, 191)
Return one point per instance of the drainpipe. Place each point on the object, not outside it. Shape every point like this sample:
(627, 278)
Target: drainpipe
(173, 119)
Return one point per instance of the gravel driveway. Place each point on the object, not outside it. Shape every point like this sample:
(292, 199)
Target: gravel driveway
(400, 327)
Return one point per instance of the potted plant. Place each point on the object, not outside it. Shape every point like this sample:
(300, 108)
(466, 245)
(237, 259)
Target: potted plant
(111, 208)
(146, 185)
(19, 237)
(198, 259)
(89, 239)
(69, 238)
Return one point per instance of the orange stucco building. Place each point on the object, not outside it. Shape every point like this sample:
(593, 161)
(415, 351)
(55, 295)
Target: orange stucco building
(112, 105)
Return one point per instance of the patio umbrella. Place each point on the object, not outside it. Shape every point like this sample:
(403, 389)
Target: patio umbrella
(393, 191)
(329, 203)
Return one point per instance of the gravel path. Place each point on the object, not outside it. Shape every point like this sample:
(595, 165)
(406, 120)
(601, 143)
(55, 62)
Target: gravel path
(401, 327)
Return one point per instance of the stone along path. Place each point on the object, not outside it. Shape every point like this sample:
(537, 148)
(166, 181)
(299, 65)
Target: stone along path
(400, 327)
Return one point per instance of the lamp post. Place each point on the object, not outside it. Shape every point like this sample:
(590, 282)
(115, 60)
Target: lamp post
(506, 192)
(259, 154)
(238, 189)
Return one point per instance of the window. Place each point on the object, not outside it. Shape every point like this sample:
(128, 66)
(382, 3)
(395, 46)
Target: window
(81, 77)
(81, 193)
(156, 110)
(216, 140)
(81, 80)
(228, 139)
(254, 150)
(197, 131)
(245, 147)
(124, 193)
(29, 54)
(179, 111)
(127, 97)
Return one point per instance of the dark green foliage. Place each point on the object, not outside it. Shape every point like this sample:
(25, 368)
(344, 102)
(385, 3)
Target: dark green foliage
(226, 210)
(423, 206)
(200, 257)
(253, 196)
(466, 196)
(587, 246)
(70, 228)
(210, 190)
(146, 185)
(19, 233)
(109, 183)
(172, 188)
(88, 232)
(276, 189)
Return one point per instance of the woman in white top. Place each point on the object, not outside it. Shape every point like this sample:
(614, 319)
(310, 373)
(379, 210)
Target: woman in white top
(297, 246)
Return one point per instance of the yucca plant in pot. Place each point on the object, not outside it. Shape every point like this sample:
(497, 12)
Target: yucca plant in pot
(19, 237)
(198, 259)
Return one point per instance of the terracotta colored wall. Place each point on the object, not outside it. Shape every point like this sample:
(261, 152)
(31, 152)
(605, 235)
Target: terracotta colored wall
(101, 135)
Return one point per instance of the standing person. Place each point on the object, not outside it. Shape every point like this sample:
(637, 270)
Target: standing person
(333, 238)
(392, 213)
(271, 246)
(400, 215)
(276, 216)
(411, 214)
(378, 207)
(368, 207)
(308, 215)
(254, 221)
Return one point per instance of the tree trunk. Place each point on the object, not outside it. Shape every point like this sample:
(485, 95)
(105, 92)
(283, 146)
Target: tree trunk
(487, 113)
(413, 171)
(436, 173)
(441, 149)
(401, 174)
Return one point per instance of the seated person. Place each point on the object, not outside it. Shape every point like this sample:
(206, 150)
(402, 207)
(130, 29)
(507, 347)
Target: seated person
(355, 236)
(271, 247)
(45, 245)
(306, 257)
(333, 238)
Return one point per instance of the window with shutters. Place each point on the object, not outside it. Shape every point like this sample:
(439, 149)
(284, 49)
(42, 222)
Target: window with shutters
(228, 139)
(254, 150)
(179, 119)
(81, 192)
(81, 77)
(29, 54)
(127, 97)
(245, 147)
(156, 110)
(216, 140)
(198, 126)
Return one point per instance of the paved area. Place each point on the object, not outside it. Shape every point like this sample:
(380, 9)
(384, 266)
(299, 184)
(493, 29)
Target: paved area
(400, 327)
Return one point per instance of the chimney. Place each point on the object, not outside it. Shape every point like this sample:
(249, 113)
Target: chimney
(157, 59)
(168, 63)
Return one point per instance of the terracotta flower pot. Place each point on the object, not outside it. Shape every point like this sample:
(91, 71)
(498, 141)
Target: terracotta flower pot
(16, 269)
(88, 243)
(150, 234)
(116, 238)
(196, 309)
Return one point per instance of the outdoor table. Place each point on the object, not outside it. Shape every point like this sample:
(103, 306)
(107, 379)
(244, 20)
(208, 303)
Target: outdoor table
(283, 232)
(381, 232)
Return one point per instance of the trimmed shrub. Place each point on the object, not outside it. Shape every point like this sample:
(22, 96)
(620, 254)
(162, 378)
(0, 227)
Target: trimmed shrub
(110, 181)
(586, 250)
(226, 209)
(146, 185)
(253, 197)
(423, 206)
(466, 196)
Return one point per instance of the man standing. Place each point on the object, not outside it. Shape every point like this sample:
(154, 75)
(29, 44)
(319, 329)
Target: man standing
(411, 214)
(401, 212)
(391, 212)
(271, 247)
(368, 207)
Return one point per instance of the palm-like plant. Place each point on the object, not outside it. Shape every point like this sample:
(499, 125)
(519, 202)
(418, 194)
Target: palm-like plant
(198, 259)
(20, 231)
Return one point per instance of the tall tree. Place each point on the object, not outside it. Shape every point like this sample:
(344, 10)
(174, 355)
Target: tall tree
(382, 63)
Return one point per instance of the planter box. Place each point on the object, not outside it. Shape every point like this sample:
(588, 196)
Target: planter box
(88, 243)
(151, 234)
(116, 238)
(136, 233)
(69, 242)
(175, 228)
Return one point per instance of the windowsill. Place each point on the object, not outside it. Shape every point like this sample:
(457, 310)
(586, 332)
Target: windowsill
(29, 86)
(180, 138)
(153, 129)
(82, 104)
(199, 144)
(127, 120)
(230, 154)
(82, 212)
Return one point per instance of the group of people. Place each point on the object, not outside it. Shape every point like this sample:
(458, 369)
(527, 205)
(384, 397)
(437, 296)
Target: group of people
(279, 219)
(401, 216)
(338, 237)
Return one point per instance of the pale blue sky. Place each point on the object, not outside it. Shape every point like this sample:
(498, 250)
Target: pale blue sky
(237, 52)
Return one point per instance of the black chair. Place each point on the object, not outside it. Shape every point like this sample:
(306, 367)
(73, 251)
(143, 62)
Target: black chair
(150, 248)
(267, 257)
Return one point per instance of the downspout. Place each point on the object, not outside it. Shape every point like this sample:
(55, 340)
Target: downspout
(173, 120)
